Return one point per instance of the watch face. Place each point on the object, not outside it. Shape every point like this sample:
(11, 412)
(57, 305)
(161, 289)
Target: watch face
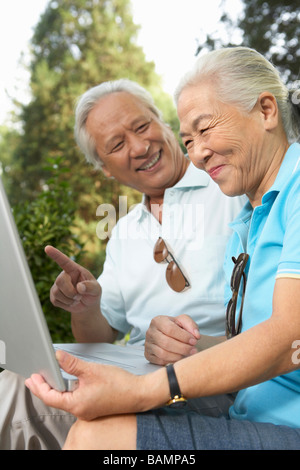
(178, 404)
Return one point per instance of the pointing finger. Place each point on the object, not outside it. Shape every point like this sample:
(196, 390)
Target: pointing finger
(63, 261)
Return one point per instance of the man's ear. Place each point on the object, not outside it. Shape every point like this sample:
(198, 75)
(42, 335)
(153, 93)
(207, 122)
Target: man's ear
(106, 171)
(269, 110)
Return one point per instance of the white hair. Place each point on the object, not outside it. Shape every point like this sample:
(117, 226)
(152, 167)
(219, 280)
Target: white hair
(88, 101)
(239, 75)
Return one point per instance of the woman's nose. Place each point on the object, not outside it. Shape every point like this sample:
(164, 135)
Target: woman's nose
(200, 154)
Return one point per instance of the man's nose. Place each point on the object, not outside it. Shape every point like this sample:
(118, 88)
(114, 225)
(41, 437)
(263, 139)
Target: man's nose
(138, 146)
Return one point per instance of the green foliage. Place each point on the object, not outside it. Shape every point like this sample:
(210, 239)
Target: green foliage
(48, 220)
(9, 141)
(76, 44)
(272, 27)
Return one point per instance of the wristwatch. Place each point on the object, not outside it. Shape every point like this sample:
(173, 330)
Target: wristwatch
(177, 400)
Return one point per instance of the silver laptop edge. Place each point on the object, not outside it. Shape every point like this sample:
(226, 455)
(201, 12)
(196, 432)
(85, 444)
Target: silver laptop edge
(23, 328)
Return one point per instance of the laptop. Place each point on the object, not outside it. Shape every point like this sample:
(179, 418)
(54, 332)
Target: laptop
(25, 341)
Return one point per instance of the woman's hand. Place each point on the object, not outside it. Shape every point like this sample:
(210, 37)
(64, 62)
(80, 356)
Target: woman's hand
(103, 390)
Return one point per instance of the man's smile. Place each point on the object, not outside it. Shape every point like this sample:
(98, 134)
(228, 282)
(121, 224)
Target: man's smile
(151, 162)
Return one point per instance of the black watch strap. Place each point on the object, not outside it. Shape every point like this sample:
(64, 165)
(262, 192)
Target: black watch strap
(177, 399)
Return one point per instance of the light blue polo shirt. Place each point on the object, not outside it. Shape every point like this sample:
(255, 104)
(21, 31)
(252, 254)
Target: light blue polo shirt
(270, 234)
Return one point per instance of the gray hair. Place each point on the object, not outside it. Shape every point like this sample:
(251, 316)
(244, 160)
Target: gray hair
(240, 75)
(89, 100)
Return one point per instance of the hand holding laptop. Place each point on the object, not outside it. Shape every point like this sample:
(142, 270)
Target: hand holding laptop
(75, 289)
(23, 328)
(102, 389)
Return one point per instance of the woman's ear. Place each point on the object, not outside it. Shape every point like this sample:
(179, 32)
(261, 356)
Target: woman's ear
(269, 110)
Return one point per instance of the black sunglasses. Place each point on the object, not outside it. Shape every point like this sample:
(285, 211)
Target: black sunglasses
(233, 328)
(175, 277)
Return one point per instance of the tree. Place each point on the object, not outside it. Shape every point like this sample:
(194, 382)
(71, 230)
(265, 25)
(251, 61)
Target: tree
(272, 27)
(9, 141)
(49, 219)
(76, 44)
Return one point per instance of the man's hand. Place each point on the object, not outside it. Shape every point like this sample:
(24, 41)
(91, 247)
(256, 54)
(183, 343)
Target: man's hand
(170, 339)
(75, 289)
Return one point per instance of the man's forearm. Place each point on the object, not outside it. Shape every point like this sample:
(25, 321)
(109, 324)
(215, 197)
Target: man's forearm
(92, 327)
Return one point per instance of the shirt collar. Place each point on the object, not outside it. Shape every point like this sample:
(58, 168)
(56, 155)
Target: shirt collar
(193, 177)
(289, 164)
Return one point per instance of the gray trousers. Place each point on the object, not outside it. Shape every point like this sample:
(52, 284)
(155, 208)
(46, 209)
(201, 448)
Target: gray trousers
(26, 423)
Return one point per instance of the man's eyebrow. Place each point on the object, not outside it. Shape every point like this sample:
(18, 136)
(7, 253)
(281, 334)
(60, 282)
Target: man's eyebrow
(115, 138)
(196, 122)
(139, 119)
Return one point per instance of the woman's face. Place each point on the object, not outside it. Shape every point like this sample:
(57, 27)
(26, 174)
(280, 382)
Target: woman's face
(226, 143)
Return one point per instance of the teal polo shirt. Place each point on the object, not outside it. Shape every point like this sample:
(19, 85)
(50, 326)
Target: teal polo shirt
(270, 234)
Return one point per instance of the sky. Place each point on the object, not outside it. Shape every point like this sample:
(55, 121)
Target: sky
(168, 34)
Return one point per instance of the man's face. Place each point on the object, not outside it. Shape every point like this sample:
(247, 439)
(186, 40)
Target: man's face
(134, 146)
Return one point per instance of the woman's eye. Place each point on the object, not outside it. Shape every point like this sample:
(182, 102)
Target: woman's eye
(204, 130)
(187, 143)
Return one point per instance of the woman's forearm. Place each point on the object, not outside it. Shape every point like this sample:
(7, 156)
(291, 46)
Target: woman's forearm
(252, 357)
(206, 341)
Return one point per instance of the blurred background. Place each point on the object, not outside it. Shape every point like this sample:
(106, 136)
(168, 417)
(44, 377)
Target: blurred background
(54, 50)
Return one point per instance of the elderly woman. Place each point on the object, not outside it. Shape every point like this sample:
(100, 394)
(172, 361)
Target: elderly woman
(240, 125)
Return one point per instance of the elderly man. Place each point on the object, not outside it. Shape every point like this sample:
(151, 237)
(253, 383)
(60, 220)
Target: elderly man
(182, 219)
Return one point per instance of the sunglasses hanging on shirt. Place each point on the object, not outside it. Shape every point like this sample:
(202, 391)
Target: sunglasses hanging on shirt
(233, 328)
(174, 276)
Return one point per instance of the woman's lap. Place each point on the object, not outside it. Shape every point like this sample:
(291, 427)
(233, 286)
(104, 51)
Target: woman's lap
(164, 429)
